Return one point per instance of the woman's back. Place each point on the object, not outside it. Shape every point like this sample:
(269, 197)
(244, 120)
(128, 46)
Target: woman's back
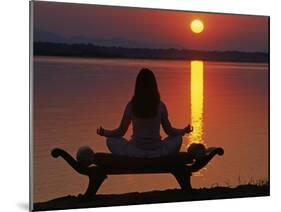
(146, 131)
(146, 112)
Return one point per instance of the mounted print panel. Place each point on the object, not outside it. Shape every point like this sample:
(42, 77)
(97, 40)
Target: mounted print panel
(135, 106)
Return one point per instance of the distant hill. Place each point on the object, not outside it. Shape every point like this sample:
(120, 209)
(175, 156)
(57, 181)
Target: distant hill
(51, 37)
(96, 51)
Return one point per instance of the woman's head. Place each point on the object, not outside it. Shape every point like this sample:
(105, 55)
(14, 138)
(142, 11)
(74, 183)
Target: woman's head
(146, 99)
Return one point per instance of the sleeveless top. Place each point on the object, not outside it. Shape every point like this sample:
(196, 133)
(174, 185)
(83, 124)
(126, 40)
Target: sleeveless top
(146, 131)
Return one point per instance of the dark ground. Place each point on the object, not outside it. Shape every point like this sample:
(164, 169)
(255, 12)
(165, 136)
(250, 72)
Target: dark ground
(171, 195)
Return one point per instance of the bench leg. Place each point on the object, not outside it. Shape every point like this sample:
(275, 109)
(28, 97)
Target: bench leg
(95, 182)
(183, 180)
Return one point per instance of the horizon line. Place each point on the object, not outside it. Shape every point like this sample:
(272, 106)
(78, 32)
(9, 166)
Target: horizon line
(156, 48)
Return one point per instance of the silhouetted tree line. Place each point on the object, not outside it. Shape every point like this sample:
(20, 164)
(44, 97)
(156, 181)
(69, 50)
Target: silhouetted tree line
(90, 50)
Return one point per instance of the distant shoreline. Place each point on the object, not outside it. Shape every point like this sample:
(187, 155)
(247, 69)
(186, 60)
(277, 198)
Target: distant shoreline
(148, 59)
(100, 52)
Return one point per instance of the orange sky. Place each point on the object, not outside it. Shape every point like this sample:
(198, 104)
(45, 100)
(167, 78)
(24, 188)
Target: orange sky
(134, 27)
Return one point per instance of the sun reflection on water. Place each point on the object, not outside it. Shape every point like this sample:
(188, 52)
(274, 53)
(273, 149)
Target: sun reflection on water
(197, 101)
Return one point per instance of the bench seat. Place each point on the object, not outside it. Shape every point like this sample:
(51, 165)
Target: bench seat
(181, 166)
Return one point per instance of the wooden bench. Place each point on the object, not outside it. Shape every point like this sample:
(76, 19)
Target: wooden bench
(181, 166)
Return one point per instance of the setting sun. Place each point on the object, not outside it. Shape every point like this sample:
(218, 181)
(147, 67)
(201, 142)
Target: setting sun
(197, 26)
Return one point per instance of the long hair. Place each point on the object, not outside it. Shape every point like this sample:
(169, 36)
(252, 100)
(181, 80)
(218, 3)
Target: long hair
(146, 99)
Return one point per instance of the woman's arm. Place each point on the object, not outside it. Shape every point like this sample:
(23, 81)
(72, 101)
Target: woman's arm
(124, 124)
(166, 124)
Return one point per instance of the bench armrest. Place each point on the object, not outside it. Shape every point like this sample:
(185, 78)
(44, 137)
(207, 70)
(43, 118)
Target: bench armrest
(210, 153)
(57, 152)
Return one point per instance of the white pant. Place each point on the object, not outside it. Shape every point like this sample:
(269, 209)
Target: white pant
(121, 146)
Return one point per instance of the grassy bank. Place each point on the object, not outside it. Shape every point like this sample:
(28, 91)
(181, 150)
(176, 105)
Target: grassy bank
(171, 195)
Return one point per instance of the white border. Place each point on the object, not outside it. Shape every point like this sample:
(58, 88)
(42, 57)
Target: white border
(14, 113)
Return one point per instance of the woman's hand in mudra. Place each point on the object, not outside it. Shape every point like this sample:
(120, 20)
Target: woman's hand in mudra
(100, 131)
(188, 129)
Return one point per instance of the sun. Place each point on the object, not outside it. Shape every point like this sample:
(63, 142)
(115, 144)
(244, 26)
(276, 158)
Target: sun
(197, 26)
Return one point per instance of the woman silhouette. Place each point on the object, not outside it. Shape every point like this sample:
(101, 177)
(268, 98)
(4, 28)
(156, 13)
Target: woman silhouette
(146, 112)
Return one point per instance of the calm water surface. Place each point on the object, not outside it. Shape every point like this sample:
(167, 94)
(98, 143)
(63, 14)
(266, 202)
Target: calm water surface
(225, 102)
